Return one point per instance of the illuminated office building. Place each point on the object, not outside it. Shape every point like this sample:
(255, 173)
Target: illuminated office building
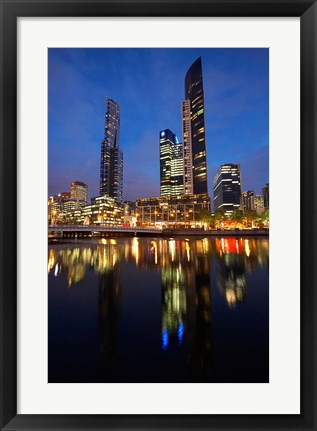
(259, 204)
(172, 211)
(66, 195)
(266, 196)
(253, 202)
(248, 200)
(103, 210)
(54, 209)
(194, 138)
(78, 193)
(227, 188)
(111, 161)
(171, 164)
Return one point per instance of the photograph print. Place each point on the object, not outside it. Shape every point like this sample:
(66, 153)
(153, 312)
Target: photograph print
(158, 215)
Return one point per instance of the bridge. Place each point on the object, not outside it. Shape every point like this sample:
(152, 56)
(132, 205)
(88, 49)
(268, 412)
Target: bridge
(84, 230)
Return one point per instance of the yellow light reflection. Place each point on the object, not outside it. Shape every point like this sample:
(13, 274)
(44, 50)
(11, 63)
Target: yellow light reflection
(135, 249)
(172, 248)
(205, 245)
(231, 297)
(154, 245)
(222, 245)
(114, 257)
(51, 261)
(187, 248)
(246, 247)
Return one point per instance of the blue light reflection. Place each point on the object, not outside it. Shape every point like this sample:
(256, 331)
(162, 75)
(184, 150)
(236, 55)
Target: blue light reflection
(180, 332)
(165, 339)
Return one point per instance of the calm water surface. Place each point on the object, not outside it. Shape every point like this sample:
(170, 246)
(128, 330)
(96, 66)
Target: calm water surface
(159, 310)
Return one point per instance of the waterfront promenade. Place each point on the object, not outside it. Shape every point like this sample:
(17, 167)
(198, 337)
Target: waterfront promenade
(82, 231)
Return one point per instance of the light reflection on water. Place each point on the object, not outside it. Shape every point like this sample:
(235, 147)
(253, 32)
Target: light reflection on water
(198, 277)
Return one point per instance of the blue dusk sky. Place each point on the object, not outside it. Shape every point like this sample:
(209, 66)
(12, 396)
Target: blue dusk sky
(148, 84)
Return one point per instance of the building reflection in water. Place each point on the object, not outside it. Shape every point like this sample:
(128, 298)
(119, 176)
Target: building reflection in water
(234, 259)
(110, 287)
(185, 269)
(230, 278)
(199, 315)
(173, 305)
(73, 261)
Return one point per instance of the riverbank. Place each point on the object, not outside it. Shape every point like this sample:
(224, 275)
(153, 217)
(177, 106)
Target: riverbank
(165, 233)
(215, 232)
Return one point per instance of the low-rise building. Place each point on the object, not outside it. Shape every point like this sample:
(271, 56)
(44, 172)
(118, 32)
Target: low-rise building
(54, 209)
(171, 211)
(252, 202)
(103, 210)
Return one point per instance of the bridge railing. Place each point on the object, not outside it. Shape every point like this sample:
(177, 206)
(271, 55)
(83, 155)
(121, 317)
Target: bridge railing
(94, 228)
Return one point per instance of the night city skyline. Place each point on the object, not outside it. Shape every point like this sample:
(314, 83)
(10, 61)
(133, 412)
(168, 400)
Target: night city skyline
(148, 84)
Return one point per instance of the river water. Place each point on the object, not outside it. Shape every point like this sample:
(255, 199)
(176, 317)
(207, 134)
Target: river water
(159, 310)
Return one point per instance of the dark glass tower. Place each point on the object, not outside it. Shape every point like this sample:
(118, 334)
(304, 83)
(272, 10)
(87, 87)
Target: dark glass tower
(196, 140)
(227, 188)
(111, 161)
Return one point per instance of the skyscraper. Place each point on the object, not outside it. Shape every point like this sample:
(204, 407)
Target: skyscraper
(78, 192)
(171, 164)
(187, 149)
(194, 140)
(227, 188)
(111, 161)
(266, 196)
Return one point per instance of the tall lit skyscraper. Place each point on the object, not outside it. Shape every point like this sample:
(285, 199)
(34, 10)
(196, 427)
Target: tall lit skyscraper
(171, 164)
(111, 161)
(194, 140)
(227, 188)
(187, 149)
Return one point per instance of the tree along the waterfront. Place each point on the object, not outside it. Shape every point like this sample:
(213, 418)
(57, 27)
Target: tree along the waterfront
(235, 220)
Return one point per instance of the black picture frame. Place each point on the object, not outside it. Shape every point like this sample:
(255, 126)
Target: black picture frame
(10, 11)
